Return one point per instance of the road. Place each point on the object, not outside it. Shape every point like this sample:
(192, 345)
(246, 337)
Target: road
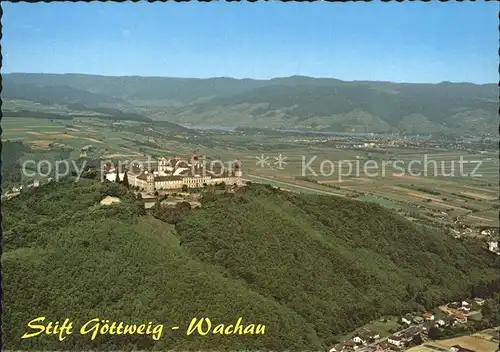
(293, 185)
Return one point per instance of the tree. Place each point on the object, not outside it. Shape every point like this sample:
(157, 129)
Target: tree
(491, 310)
(417, 340)
(184, 188)
(183, 206)
(117, 178)
(125, 180)
(208, 197)
(435, 333)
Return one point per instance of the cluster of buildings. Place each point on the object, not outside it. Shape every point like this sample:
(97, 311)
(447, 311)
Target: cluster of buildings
(461, 310)
(15, 191)
(175, 173)
(414, 328)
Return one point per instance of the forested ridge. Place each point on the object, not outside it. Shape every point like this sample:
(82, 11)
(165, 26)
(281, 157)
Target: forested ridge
(298, 101)
(308, 267)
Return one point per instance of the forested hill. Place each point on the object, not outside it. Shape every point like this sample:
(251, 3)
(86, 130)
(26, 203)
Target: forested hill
(321, 103)
(308, 267)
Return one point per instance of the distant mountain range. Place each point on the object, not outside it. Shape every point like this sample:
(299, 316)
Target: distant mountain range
(302, 102)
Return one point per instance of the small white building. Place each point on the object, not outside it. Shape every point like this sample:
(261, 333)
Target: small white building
(359, 340)
(395, 340)
(418, 320)
(406, 321)
(441, 322)
(493, 246)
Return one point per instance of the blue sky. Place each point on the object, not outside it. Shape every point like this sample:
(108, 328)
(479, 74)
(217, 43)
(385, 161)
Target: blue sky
(401, 42)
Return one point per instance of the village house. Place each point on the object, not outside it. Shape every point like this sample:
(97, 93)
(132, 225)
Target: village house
(428, 316)
(395, 340)
(407, 319)
(479, 301)
(418, 320)
(493, 247)
(441, 322)
(359, 340)
(464, 309)
(410, 333)
(402, 338)
(365, 335)
(460, 318)
(348, 345)
(383, 346)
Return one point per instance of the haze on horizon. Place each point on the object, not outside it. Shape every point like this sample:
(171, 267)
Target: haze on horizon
(394, 42)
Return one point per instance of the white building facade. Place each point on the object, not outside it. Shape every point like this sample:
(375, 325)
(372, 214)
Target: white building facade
(176, 173)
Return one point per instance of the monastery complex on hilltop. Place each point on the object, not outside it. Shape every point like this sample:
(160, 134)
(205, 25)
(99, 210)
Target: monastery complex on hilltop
(175, 172)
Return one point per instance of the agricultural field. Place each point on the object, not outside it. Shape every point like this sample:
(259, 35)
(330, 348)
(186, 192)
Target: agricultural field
(433, 196)
(482, 341)
(417, 182)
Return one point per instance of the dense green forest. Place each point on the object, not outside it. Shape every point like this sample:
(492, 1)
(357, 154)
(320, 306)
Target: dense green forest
(12, 152)
(308, 267)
